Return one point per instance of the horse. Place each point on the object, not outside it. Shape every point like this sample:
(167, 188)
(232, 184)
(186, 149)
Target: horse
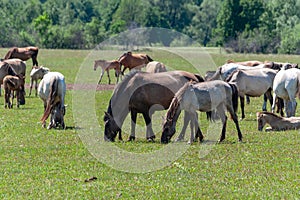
(250, 63)
(14, 83)
(277, 123)
(130, 60)
(52, 90)
(253, 83)
(155, 67)
(217, 96)
(18, 65)
(5, 69)
(36, 74)
(145, 93)
(24, 54)
(287, 86)
(106, 66)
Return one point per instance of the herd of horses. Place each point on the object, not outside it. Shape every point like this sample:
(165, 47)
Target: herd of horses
(216, 93)
(158, 89)
(51, 89)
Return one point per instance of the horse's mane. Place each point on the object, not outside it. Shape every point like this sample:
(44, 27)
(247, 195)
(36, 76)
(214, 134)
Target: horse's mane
(270, 113)
(231, 75)
(176, 101)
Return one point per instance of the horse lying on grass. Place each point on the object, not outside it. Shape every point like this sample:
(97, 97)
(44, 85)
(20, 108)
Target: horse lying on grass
(276, 122)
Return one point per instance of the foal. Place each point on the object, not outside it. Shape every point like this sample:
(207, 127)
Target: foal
(14, 83)
(277, 123)
(106, 66)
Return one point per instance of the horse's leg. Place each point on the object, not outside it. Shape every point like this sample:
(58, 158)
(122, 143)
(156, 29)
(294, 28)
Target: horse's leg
(267, 96)
(186, 120)
(280, 105)
(133, 115)
(34, 60)
(192, 125)
(242, 98)
(108, 77)
(31, 84)
(198, 130)
(36, 87)
(149, 133)
(274, 102)
(236, 121)
(247, 99)
(101, 75)
(223, 118)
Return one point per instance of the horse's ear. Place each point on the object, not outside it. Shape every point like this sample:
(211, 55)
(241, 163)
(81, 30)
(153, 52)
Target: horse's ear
(258, 114)
(107, 116)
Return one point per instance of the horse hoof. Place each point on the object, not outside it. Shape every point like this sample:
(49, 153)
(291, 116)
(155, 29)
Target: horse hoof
(150, 140)
(131, 138)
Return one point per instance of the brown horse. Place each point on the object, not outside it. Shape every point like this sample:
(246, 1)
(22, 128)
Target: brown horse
(24, 54)
(130, 60)
(145, 93)
(250, 63)
(5, 69)
(14, 83)
(277, 123)
(106, 66)
(18, 65)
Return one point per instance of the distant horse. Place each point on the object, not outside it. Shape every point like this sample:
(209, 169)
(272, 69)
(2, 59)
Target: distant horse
(5, 69)
(37, 73)
(155, 67)
(253, 83)
(216, 96)
(277, 123)
(52, 90)
(18, 65)
(145, 93)
(106, 66)
(24, 54)
(250, 63)
(14, 83)
(287, 86)
(130, 60)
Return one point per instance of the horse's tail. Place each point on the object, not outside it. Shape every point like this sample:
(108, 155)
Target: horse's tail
(50, 100)
(298, 89)
(149, 58)
(234, 97)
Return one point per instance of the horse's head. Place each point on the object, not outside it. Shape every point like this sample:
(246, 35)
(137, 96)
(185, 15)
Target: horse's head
(21, 92)
(111, 129)
(261, 122)
(168, 131)
(57, 115)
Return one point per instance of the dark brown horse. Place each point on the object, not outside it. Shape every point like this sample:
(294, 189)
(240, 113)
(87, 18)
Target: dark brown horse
(145, 93)
(24, 54)
(131, 60)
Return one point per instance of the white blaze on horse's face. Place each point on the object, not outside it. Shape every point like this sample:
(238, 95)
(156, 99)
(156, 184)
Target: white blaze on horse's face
(260, 122)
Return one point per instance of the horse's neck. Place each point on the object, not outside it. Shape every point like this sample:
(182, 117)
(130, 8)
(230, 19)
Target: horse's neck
(273, 121)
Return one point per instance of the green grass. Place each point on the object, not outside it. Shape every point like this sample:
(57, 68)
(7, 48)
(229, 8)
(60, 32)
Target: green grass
(42, 164)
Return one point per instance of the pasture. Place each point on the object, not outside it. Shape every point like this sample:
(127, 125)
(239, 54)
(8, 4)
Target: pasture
(55, 164)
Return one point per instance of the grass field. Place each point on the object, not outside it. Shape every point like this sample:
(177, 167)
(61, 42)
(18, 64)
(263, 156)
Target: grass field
(54, 164)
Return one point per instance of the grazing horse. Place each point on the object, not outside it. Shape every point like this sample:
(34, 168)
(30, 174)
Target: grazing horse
(145, 93)
(14, 83)
(277, 123)
(131, 60)
(5, 69)
(52, 90)
(106, 66)
(36, 74)
(287, 86)
(24, 54)
(253, 83)
(215, 95)
(155, 67)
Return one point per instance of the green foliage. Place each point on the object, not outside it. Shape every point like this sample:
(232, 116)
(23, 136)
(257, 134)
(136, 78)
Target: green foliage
(86, 23)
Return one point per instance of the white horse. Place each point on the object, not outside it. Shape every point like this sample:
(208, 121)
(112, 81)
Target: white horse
(36, 74)
(52, 90)
(287, 86)
(155, 67)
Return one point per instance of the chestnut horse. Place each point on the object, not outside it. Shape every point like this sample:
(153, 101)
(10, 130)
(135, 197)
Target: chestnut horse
(277, 123)
(24, 54)
(145, 93)
(14, 83)
(130, 60)
(106, 66)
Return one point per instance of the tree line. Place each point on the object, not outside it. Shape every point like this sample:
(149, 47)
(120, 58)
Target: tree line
(256, 26)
